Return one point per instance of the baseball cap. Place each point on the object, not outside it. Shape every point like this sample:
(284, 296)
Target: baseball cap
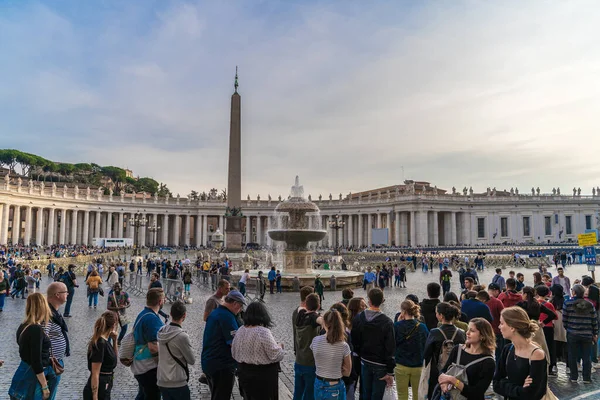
(236, 296)
(493, 286)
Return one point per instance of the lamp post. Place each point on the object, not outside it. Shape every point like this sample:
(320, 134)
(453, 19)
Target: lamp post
(136, 222)
(336, 224)
(154, 229)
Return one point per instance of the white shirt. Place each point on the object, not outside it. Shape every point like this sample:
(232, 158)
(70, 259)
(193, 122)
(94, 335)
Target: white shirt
(244, 277)
(255, 346)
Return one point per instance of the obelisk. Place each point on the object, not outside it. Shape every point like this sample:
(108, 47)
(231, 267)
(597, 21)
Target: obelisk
(233, 214)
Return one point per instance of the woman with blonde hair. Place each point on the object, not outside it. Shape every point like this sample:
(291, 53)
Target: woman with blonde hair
(411, 336)
(102, 357)
(477, 356)
(522, 371)
(332, 358)
(35, 378)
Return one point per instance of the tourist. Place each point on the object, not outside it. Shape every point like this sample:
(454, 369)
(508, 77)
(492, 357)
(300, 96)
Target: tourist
(319, 289)
(373, 340)
(445, 278)
(537, 279)
(403, 276)
(112, 277)
(102, 358)
(307, 327)
(50, 268)
(521, 371)
(396, 271)
(32, 281)
(175, 354)
(369, 279)
(271, 277)
(428, 305)
(469, 283)
(581, 323)
(496, 308)
(70, 280)
(461, 321)
(145, 331)
(34, 376)
(57, 329)
(560, 334)
(258, 355)
(243, 280)
(332, 357)
(592, 294)
(4, 289)
(541, 294)
(475, 308)
(19, 283)
(562, 280)
(470, 273)
(278, 281)
(445, 314)
(187, 281)
(118, 302)
(519, 283)
(155, 281)
(498, 279)
(347, 295)
(261, 286)
(94, 283)
(351, 380)
(355, 307)
(477, 355)
(410, 335)
(217, 361)
(511, 297)
(214, 301)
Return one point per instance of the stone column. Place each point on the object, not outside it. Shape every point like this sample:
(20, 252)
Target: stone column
(186, 227)
(248, 230)
(109, 225)
(204, 230)
(350, 230)
(28, 225)
(16, 225)
(422, 227)
(5, 208)
(128, 227)
(63, 226)
(360, 230)
(142, 232)
(467, 228)
(50, 227)
(379, 226)
(259, 230)
(198, 230)
(413, 228)
(436, 229)
(39, 226)
(74, 227)
(86, 228)
(403, 228)
(397, 228)
(176, 230)
(369, 229)
(120, 225)
(453, 239)
(97, 222)
(165, 230)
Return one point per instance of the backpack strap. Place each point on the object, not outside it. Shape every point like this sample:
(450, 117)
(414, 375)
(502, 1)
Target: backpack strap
(533, 351)
(478, 360)
(455, 332)
(178, 361)
(443, 334)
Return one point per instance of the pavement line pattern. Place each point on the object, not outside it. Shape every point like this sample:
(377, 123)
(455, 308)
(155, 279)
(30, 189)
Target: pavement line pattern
(586, 395)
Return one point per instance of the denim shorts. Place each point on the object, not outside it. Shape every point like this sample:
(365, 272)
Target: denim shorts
(25, 385)
(325, 390)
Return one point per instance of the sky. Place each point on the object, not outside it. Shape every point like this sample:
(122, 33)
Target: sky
(349, 95)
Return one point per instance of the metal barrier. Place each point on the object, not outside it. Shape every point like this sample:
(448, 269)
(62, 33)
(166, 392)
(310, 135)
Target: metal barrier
(135, 284)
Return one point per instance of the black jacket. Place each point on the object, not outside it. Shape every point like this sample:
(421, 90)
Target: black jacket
(428, 312)
(373, 339)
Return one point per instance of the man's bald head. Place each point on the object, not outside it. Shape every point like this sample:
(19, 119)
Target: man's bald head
(54, 288)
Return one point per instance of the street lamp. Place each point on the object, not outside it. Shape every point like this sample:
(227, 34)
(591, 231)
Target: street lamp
(336, 224)
(154, 229)
(136, 222)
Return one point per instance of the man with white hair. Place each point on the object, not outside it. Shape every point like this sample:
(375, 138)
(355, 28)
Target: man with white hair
(57, 329)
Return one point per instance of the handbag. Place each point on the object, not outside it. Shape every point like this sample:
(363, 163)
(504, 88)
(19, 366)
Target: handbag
(459, 371)
(56, 367)
(424, 380)
(123, 318)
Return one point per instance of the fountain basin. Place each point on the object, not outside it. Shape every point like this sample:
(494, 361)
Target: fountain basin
(343, 279)
(298, 238)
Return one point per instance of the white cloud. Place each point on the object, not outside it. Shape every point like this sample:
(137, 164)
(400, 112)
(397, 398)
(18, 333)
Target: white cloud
(472, 94)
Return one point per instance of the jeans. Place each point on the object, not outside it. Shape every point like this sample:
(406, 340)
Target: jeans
(242, 286)
(180, 393)
(2, 297)
(69, 301)
(579, 348)
(445, 287)
(397, 280)
(53, 386)
(404, 377)
(148, 385)
(93, 297)
(278, 287)
(122, 333)
(325, 391)
(25, 385)
(304, 382)
(221, 384)
(271, 286)
(500, 343)
(372, 387)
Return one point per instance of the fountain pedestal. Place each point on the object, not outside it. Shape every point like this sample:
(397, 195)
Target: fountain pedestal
(233, 230)
(297, 261)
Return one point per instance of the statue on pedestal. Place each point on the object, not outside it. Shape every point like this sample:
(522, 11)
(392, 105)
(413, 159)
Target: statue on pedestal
(30, 186)
(156, 198)
(133, 195)
(42, 186)
(279, 198)
(122, 195)
(65, 189)
(574, 192)
(488, 191)
(258, 198)
(76, 190)
(533, 191)
(578, 191)
(594, 192)
(330, 197)
(553, 191)
(465, 190)
(453, 190)
(369, 197)
(471, 190)
(494, 191)
(340, 197)
(248, 199)
(110, 194)
(397, 190)
(19, 183)
(517, 191)
(538, 190)
(177, 199)
(53, 189)
(144, 198)
(512, 191)
(558, 191)
(309, 197)
(99, 193)
(320, 197)
(88, 193)
(6, 181)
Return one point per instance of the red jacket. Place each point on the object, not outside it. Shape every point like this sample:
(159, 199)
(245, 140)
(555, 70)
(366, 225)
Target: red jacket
(496, 308)
(510, 298)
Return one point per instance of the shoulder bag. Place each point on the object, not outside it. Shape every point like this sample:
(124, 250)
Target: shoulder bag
(181, 363)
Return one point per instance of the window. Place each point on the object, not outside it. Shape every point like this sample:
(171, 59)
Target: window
(569, 226)
(526, 226)
(588, 222)
(548, 226)
(504, 227)
(480, 228)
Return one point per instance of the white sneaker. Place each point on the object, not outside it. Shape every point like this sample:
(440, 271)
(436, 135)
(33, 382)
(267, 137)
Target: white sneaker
(596, 365)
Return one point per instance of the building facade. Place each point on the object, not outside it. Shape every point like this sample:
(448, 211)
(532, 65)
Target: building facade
(414, 214)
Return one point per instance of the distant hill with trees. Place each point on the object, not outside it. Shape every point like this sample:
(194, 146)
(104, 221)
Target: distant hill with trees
(109, 177)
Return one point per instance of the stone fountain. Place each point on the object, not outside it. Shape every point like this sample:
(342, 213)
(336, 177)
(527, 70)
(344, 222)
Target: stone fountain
(295, 220)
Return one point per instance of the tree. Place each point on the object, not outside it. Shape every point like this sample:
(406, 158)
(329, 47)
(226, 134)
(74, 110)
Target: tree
(66, 169)
(223, 194)
(164, 191)
(147, 185)
(193, 195)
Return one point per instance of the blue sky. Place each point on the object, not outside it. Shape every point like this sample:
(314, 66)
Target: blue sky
(500, 94)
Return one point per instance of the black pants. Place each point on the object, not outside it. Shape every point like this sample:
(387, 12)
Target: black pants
(562, 353)
(549, 334)
(148, 385)
(271, 286)
(259, 382)
(221, 384)
(105, 384)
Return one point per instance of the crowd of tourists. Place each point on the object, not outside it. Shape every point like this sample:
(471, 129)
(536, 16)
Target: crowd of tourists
(503, 336)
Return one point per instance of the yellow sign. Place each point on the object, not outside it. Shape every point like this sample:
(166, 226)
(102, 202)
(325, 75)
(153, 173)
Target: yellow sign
(587, 239)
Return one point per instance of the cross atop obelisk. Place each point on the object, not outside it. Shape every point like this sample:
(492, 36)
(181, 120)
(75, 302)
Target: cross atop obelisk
(233, 229)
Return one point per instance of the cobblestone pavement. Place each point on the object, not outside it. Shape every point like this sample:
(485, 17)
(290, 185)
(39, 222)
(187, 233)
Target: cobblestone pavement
(281, 307)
